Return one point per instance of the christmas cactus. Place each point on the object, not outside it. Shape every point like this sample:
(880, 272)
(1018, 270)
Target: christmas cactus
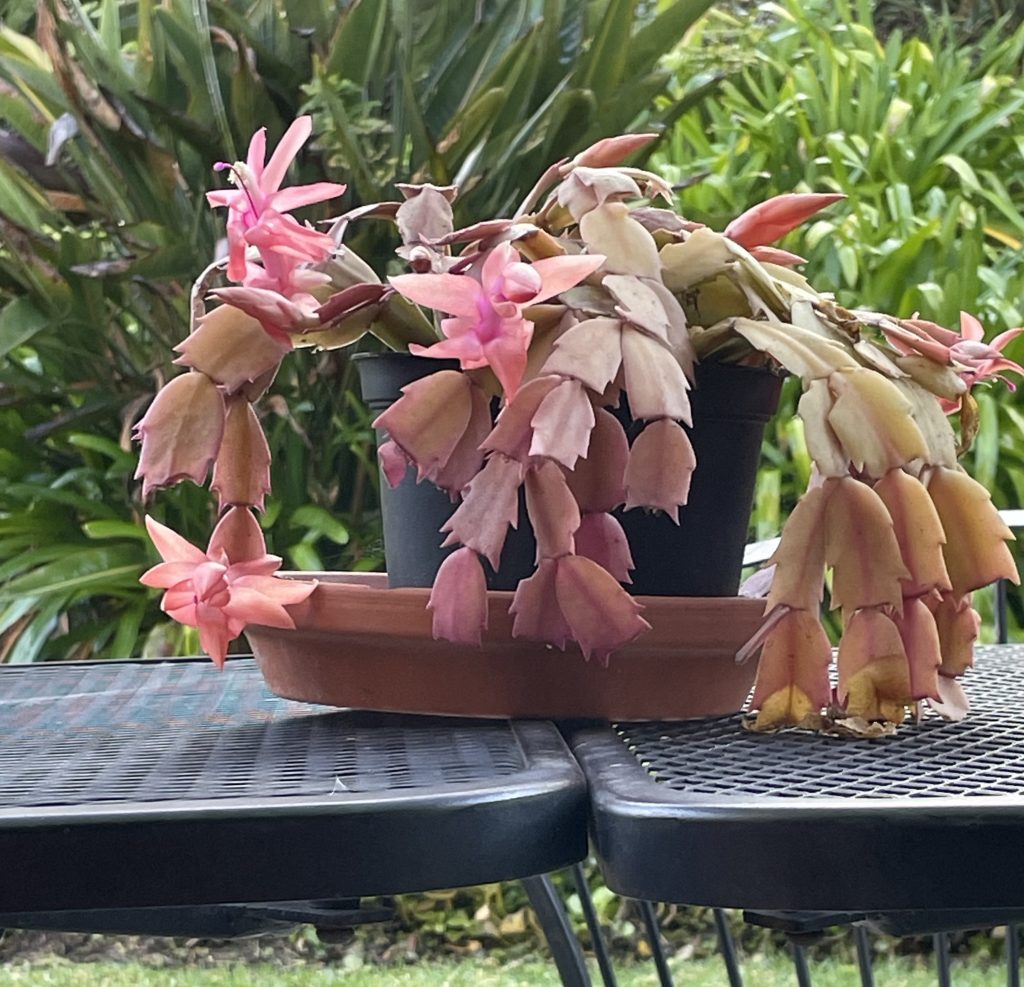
(593, 289)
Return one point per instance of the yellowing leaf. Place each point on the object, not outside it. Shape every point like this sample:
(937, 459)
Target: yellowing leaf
(975, 551)
(702, 256)
(918, 531)
(861, 546)
(874, 677)
(627, 247)
(800, 558)
(792, 677)
(873, 422)
(800, 351)
(822, 442)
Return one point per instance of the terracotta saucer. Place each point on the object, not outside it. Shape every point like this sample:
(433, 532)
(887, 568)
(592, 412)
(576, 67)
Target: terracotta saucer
(359, 644)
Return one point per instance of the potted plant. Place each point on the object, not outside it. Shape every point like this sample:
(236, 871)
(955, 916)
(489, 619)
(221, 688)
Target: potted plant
(587, 299)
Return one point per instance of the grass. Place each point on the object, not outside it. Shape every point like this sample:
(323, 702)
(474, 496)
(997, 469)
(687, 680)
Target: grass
(763, 971)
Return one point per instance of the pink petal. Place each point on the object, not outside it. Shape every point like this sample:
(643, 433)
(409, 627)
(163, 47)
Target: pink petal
(393, 463)
(249, 606)
(281, 233)
(598, 481)
(171, 546)
(164, 575)
(494, 265)
(270, 308)
(305, 195)
(429, 419)
(775, 255)
(601, 614)
(466, 349)
(953, 703)
(506, 353)
(970, 327)
(256, 157)
(536, 610)
(284, 592)
(1003, 338)
(562, 424)
(456, 294)
(552, 511)
(214, 634)
(459, 599)
(770, 220)
(558, 274)
(284, 154)
(490, 505)
(661, 463)
(238, 537)
(600, 537)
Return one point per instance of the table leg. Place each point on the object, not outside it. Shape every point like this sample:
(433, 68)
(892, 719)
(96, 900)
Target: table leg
(604, 963)
(565, 947)
(863, 943)
(803, 971)
(728, 948)
(941, 941)
(1012, 955)
(654, 938)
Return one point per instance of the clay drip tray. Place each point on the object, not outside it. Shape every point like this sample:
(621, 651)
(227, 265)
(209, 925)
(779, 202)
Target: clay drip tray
(359, 644)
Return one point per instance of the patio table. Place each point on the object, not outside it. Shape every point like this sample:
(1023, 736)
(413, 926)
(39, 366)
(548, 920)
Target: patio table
(920, 831)
(172, 798)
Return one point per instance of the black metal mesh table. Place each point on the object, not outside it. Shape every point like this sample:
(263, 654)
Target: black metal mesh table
(706, 812)
(139, 784)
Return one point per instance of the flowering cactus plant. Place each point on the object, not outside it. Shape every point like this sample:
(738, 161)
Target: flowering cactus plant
(589, 292)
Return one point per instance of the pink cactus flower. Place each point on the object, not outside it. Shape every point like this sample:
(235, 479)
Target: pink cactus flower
(259, 189)
(489, 328)
(973, 359)
(219, 596)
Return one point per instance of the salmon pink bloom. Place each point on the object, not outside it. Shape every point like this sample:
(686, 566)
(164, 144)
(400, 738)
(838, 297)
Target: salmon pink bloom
(967, 352)
(489, 328)
(772, 219)
(217, 594)
(259, 190)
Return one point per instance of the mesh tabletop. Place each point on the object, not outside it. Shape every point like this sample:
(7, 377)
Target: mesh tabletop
(88, 734)
(982, 755)
(707, 812)
(173, 783)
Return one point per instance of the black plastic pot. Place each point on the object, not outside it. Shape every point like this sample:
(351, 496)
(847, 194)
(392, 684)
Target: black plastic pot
(414, 512)
(703, 554)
